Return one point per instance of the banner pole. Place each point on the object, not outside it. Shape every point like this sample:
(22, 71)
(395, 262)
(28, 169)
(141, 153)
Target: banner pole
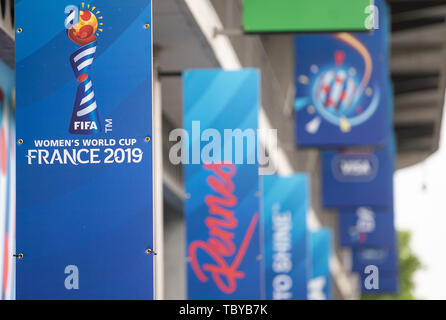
(158, 191)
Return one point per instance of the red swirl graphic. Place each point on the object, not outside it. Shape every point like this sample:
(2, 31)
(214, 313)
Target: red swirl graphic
(220, 247)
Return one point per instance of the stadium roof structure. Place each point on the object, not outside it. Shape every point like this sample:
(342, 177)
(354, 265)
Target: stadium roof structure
(418, 67)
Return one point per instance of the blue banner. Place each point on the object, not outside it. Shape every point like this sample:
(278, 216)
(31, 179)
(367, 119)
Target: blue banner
(386, 259)
(84, 153)
(358, 177)
(319, 286)
(341, 97)
(365, 227)
(222, 207)
(285, 206)
(7, 183)
(387, 283)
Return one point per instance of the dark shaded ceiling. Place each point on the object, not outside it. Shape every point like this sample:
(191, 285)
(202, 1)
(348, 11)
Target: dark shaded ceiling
(418, 72)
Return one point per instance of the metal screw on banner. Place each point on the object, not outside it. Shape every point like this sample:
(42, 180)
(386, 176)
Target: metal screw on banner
(150, 251)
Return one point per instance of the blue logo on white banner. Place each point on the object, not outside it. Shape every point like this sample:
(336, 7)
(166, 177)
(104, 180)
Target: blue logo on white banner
(285, 205)
(341, 98)
(84, 187)
(85, 118)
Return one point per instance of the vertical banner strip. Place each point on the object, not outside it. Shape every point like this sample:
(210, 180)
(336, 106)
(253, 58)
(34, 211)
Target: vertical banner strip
(222, 184)
(7, 183)
(84, 152)
(319, 286)
(285, 206)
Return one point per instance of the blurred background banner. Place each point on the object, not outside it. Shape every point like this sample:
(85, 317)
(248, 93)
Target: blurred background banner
(385, 258)
(285, 206)
(305, 15)
(319, 285)
(380, 264)
(341, 87)
(366, 227)
(358, 177)
(85, 213)
(222, 208)
(7, 183)
(387, 284)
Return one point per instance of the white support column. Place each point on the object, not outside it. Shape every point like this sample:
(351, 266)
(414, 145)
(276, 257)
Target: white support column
(158, 214)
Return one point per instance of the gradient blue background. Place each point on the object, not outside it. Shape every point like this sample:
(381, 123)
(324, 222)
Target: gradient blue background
(97, 217)
(321, 242)
(370, 191)
(291, 193)
(223, 100)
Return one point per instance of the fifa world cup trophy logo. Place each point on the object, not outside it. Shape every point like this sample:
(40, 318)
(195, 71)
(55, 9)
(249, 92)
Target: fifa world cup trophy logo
(83, 27)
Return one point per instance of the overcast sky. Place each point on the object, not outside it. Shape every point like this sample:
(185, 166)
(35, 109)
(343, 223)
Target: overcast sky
(424, 214)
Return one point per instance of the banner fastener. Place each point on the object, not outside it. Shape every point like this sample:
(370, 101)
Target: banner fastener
(20, 141)
(147, 139)
(20, 255)
(146, 26)
(19, 30)
(150, 251)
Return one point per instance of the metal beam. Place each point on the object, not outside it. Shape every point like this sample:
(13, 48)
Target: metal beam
(416, 99)
(411, 115)
(417, 60)
(430, 35)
